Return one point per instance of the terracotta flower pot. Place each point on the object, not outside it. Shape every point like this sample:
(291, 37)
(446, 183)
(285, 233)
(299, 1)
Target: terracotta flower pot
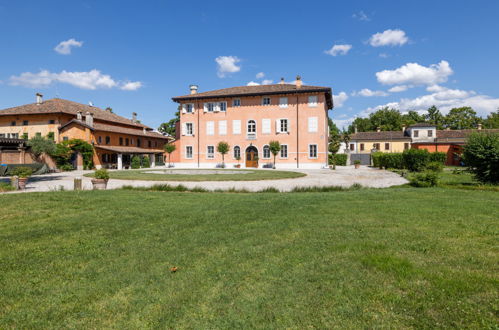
(99, 184)
(357, 166)
(22, 183)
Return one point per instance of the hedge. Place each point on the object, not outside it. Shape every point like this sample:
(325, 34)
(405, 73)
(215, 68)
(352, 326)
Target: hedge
(341, 159)
(415, 160)
(38, 168)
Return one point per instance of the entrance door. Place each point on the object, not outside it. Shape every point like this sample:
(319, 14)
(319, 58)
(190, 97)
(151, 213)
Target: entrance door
(251, 157)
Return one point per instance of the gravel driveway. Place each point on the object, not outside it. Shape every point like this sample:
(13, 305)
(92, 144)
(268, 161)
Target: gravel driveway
(343, 176)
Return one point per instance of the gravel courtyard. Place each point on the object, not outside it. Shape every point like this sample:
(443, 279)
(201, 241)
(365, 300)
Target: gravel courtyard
(343, 176)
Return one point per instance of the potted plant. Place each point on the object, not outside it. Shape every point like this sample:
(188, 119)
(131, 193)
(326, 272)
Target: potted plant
(238, 158)
(23, 173)
(356, 163)
(101, 177)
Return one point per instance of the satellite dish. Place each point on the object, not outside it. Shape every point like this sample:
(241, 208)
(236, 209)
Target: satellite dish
(90, 103)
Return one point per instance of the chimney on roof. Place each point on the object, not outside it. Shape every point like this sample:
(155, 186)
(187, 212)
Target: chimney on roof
(356, 130)
(378, 129)
(79, 116)
(298, 82)
(39, 98)
(144, 130)
(282, 81)
(447, 129)
(194, 89)
(403, 128)
(89, 119)
(134, 117)
(479, 126)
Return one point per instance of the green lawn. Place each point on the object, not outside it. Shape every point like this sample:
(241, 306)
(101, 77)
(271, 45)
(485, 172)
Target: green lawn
(392, 258)
(253, 175)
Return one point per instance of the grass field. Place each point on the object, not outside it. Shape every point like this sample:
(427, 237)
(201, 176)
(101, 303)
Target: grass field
(399, 258)
(245, 175)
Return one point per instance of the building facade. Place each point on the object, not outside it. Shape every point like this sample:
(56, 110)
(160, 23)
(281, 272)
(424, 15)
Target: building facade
(248, 118)
(115, 139)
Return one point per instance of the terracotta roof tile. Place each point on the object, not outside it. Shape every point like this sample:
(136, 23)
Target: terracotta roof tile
(383, 135)
(461, 133)
(258, 90)
(68, 107)
(130, 131)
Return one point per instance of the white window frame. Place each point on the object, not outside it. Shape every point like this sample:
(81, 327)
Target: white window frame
(283, 104)
(265, 98)
(187, 154)
(278, 128)
(210, 128)
(187, 129)
(188, 106)
(209, 107)
(222, 106)
(236, 124)
(312, 129)
(311, 102)
(222, 124)
(236, 102)
(263, 152)
(208, 154)
(316, 151)
(247, 126)
(252, 134)
(234, 152)
(287, 152)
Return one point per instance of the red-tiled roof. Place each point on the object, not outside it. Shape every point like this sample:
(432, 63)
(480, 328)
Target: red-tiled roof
(259, 90)
(130, 131)
(68, 107)
(461, 133)
(381, 136)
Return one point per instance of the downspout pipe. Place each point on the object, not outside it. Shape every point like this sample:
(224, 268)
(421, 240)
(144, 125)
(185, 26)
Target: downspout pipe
(297, 135)
(198, 130)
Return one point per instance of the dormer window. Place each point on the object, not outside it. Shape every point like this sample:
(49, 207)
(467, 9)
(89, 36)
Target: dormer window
(266, 101)
(416, 133)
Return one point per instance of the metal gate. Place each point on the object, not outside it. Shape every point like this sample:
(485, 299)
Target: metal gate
(365, 159)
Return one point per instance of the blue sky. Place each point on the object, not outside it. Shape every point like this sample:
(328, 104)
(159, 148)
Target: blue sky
(135, 55)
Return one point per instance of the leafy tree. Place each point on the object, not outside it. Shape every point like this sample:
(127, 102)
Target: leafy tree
(481, 155)
(412, 117)
(223, 148)
(362, 125)
(40, 145)
(274, 147)
(169, 148)
(386, 119)
(135, 162)
(169, 128)
(145, 162)
(332, 127)
(334, 145)
(435, 117)
(462, 118)
(492, 120)
(109, 109)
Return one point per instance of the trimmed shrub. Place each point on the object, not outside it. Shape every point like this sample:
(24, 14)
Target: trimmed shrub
(22, 172)
(101, 174)
(440, 157)
(36, 168)
(146, 163)
(341, 159)
(424, 179)
(435, 167)
(5, 187)
(392, 160)
(376, 157)
(415, 160)
(135, 162)
(481, 155)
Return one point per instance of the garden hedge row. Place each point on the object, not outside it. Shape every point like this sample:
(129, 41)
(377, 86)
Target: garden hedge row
(415, 160)
(341, 159)
(37, 168)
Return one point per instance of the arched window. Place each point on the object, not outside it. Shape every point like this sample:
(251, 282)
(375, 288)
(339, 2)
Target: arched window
(266, 151)
(237, 152)
(251, 126)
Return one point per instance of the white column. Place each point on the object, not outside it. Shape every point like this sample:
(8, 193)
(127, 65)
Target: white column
(152, 157)
(120, 161)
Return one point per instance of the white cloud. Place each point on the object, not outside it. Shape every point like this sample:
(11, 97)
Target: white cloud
(226, 65)
(91, 80)
(445, 99)
(252, 83)
(415, 74)
(340, 99)
(366, 92)
(64, 47)
(398, 89)
(361, 16)
(260, 75)
(384, 55)
(388, 38)
(267, 82)
(131, 86)
(338, 50)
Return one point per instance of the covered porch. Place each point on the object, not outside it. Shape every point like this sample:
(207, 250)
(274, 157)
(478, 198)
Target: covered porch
(117, 157)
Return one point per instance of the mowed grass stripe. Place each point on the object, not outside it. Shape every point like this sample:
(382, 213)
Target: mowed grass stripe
(399, 257)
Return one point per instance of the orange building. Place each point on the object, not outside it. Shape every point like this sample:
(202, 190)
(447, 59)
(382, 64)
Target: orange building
(248, 118)
(115, 139)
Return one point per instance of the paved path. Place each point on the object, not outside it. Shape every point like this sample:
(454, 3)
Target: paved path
(343, 176)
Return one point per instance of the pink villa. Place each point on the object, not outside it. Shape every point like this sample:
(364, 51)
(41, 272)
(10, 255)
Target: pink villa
(248, 118)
